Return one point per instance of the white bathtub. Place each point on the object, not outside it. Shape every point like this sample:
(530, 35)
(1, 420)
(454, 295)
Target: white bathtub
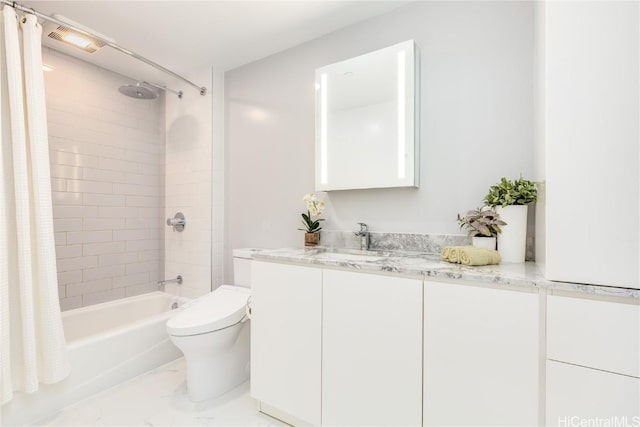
(107, 344)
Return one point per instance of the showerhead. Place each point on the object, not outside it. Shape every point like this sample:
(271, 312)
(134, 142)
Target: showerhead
(141, 90)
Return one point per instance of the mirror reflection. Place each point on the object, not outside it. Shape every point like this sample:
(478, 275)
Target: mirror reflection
(365, 118)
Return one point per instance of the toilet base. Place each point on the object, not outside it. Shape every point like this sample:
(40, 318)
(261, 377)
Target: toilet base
(216, 362)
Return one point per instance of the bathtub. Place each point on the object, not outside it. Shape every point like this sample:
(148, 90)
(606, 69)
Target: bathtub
(107, 344)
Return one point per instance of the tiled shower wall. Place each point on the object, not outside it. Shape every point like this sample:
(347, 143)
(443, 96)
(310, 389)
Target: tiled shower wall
(107, 168)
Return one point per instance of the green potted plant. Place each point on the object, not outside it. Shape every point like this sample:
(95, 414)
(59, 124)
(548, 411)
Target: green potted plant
(482, 225)
(510, 199)
(312, 228)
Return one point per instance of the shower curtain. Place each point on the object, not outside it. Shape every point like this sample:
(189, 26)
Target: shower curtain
(32, 345)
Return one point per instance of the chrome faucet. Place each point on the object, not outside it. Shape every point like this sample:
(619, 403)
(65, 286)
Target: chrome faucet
(364, 236)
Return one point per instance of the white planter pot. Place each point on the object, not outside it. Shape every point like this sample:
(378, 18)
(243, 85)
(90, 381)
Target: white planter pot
(484, 242)
(512, 241)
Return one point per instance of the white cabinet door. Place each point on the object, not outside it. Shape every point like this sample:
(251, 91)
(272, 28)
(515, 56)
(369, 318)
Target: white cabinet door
(480, 356)
(603, 335)
(285, 338)
(372, 350)
(584, 396)
(591, 148)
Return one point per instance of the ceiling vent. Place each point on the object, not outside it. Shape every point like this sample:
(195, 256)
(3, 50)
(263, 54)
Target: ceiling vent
(71, 37)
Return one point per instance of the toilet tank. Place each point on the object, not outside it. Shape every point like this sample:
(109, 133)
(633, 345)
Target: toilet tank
(242, 266)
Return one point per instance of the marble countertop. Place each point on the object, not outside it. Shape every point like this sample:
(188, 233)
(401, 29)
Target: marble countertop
(426, 265)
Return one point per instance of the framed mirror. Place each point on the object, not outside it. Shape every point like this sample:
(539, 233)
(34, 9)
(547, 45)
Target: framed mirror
(366, 108)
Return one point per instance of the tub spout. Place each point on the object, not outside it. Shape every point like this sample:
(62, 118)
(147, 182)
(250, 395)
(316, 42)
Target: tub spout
(162, 283)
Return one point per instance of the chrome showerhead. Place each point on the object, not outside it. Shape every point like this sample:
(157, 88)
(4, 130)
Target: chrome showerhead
(141, 90)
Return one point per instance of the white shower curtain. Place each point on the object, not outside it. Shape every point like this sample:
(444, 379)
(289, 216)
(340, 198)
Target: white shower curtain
(32, 345)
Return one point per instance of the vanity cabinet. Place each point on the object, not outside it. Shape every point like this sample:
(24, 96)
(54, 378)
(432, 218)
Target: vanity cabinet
(593, 359)
(371, 349)
(578, 393)
(286, 339)
(481, 357)
(588, 142)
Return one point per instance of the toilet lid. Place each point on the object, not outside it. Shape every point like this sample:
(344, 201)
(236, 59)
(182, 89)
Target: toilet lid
(221, 308)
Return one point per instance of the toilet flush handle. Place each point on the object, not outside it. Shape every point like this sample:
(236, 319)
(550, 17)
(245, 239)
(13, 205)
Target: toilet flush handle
(247, 311)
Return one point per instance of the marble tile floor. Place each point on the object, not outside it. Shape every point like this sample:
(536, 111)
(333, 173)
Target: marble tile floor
(159, 398)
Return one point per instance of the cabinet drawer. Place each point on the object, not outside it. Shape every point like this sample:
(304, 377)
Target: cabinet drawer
(576, 395)
(597, 334)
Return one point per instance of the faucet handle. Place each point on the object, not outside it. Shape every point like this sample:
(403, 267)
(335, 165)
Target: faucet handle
(364, 229)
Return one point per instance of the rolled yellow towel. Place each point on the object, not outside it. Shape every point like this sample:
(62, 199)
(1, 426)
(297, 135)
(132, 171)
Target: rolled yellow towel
(471, 255)
(451, 253)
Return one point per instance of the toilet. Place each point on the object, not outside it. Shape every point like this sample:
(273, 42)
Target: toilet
(213, 334)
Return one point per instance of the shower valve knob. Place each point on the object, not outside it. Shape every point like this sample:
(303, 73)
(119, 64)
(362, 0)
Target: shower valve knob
(177, 222)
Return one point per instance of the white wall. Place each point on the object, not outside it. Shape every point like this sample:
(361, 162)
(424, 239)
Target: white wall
(476, 123)
(188, 182)
(106, 161)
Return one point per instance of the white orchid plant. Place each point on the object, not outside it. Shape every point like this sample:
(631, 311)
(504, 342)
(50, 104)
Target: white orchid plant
(315, 207)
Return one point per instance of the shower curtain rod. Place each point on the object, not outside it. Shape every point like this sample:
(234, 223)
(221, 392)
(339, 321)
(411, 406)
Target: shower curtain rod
(22, 8)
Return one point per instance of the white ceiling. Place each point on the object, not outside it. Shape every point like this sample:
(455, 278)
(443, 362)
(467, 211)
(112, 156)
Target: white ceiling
(187, 36)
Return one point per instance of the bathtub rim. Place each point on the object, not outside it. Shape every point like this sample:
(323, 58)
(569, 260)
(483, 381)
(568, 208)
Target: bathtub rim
(182, 301)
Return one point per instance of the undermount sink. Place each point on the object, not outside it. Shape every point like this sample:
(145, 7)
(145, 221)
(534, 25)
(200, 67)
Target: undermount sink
(357, 255)
(348, 256)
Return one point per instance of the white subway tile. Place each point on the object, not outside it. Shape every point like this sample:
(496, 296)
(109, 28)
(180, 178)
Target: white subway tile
(104, 296)
(151, 124)
(117, 212)
(103, 175)
(142, 223)
(112, 116)
(60, 238)
(103, 224)
(80, 186)
(131, 279)
(140, 289)
(151, 213)
(143, 234)
(67, 224)
(58, 184)
(107, 170)
(72, 159)
(67, 277)
(75, 211)
(80, 263)
(119, 258)
(143, 245)
(149, 255)
(62, 171)
(68, 251)
(136, 190)
(154, 276)
(89, 236)
(103, 272)
(142, 201)
(88, 287)
(138, 179)
(103, 248)
(70, 303)
(141, 267)
(128, 166)
(103, 200)
(64, 198)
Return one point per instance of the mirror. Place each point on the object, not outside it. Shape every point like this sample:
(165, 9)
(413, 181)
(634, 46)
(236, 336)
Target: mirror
(365, 121)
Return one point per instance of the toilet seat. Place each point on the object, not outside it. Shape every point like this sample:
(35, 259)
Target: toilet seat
(220, 309)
